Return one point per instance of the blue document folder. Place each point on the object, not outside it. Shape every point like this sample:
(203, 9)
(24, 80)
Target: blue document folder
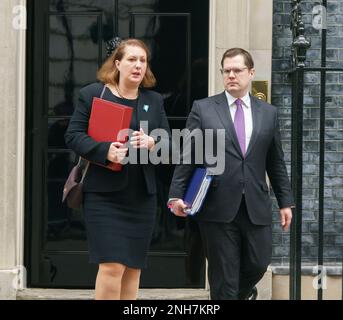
(197, 190)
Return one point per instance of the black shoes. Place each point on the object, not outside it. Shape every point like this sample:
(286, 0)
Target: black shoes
(252, 295)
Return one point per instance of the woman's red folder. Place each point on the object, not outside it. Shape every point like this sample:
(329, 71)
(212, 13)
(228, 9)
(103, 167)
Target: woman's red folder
(107, 119)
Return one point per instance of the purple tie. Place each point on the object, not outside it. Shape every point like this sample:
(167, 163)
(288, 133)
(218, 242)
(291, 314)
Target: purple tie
(239, 125)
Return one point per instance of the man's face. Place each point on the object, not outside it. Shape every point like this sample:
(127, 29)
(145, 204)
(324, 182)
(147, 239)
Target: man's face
(237, 76)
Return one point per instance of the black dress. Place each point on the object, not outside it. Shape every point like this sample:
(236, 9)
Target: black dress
(120, 224)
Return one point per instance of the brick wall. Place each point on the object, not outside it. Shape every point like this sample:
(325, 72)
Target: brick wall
(281, 97)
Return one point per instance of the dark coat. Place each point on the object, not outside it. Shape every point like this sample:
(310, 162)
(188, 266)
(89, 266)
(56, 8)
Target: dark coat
(264, 154)
(98, 178)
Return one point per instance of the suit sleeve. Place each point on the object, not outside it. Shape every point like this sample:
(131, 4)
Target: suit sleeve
(184, 170)
(277, 171)
(76, 136)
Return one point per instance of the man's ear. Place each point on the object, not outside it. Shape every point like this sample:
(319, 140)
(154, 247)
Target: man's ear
(252, 72)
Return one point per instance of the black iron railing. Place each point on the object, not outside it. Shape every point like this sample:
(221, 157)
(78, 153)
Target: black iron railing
(300, 45)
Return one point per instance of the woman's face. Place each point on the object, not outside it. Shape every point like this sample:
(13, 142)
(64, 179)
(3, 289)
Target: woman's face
(132, 66)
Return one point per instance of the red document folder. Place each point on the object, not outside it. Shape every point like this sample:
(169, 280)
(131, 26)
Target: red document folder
(107, 119)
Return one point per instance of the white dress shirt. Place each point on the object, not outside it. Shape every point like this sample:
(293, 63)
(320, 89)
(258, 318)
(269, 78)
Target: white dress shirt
(246, 106)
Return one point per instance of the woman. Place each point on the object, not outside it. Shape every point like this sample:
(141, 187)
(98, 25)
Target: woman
(119, 206)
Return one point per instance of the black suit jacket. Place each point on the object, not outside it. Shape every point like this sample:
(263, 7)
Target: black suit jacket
(264, 154)
(98, 178)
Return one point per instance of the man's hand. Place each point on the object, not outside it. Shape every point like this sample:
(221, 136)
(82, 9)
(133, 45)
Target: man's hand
(177, 207)
(286, 218)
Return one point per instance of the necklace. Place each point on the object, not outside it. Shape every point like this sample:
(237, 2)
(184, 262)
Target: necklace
(121, 96)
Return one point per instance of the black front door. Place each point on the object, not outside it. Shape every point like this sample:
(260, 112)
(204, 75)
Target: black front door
(66, 46)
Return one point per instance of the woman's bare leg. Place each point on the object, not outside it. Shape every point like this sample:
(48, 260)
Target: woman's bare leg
(108, 281)
(130, 284)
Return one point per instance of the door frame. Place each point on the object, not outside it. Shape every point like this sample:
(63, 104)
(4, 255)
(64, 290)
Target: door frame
(36, 139)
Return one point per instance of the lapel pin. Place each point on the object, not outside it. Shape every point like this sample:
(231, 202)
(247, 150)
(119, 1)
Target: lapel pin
(146, 108)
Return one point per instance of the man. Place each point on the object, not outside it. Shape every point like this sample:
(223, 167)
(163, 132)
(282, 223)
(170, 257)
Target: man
(235, 221)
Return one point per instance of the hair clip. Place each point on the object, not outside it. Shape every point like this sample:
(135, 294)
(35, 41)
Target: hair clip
(112, 44)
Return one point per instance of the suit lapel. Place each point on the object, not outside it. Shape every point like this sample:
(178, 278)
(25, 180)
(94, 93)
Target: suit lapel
(224, 114)
(257, 122)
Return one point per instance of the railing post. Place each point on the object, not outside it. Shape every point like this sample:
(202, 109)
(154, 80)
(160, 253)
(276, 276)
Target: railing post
(299, 47)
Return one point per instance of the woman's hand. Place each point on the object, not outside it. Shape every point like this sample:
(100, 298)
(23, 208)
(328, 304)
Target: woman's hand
(116, 152)
(140, 140)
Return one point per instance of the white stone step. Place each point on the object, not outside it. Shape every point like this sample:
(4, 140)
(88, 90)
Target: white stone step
(84, 294)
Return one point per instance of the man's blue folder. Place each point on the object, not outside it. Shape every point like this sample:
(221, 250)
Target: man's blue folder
(197, 190)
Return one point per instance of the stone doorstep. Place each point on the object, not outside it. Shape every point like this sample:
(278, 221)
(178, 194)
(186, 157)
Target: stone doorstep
(264, 293)
(84, 294)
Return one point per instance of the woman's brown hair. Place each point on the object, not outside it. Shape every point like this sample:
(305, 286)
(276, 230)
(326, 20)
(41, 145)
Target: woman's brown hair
(108, 73)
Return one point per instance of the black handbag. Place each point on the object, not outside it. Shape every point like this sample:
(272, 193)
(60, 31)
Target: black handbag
(72, 190)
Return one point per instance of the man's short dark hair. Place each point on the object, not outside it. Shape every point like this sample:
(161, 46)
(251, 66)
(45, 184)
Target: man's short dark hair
(233, 52)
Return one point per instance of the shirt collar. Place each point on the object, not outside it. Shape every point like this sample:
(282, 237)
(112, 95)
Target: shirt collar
(231, 100)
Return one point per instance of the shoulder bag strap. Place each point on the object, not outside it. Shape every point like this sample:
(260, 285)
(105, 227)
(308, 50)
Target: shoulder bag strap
(87, 165)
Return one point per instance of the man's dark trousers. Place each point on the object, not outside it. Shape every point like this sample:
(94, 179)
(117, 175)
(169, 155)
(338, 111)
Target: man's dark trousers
(238, 254)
